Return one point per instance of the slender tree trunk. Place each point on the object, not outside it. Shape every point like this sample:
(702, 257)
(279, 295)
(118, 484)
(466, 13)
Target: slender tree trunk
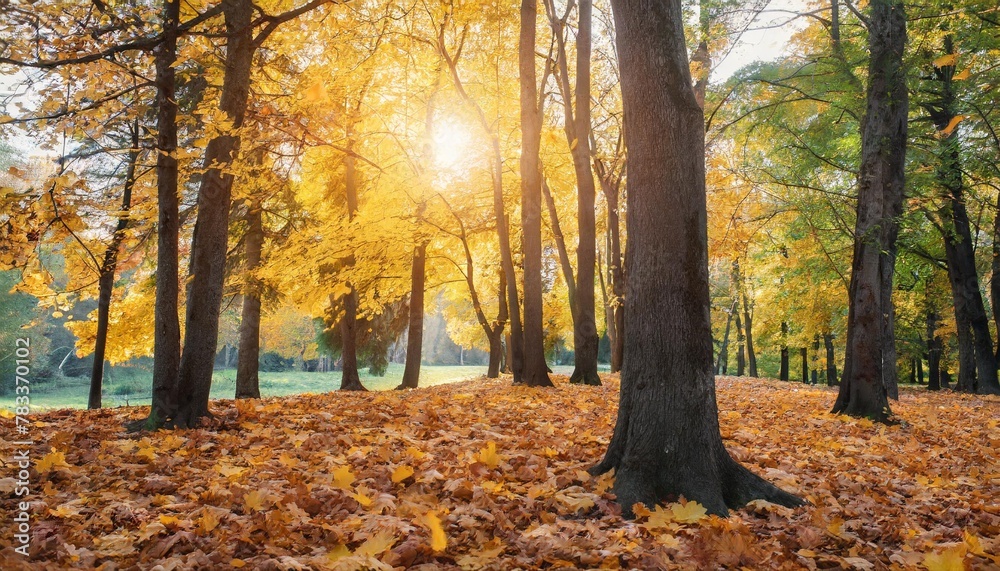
(106, 281)
(248, 364)
(934, 348)
(831, 363)
(740, 342)
(880, 194)
(748, 326)
(167, 336)
(666, 442)
(564, 262)
(995, 276)
(920, 370)
(415, 337)
(350, 379)
(616, 274)
(534, 371)
(722, 364)
(783, 370)
(804, 354)
(962, 272)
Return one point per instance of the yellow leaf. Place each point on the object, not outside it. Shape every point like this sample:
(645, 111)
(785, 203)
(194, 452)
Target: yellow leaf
(945, 61)
(343, 478)
(288, 461)
(65, 510)
(209, 521)
(438, 539)
(254, 501)
(316, 92)
(688, 512)
(951, 559)
(377, 544)
(362, 499)
(964, 74)
(951, 125)
(401, 473)
(146, 450)
(488, 455)
(238, 563)
(973, 543)
(416, 453)
(231, 472)
(169, 520)
(660, 518)
(51, 461)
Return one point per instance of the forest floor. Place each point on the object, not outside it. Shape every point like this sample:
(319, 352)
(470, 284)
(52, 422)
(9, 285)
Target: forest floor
(480, 474)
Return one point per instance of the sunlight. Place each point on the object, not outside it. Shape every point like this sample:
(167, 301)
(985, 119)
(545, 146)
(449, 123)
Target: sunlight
(453, 155)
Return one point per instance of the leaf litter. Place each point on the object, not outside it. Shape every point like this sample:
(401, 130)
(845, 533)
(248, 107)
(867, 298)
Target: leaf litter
(483, 475)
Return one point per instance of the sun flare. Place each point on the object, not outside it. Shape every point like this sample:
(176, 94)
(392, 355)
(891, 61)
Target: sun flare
(452, 146)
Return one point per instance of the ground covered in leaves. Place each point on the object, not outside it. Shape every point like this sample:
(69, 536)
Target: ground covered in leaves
(480, 474)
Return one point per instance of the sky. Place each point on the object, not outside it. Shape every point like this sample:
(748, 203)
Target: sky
(762, 41)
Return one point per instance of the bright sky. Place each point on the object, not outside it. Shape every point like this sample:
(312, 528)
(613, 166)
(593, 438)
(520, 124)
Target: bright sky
(766, 39)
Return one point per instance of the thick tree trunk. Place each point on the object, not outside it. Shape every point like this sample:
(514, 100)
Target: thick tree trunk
(880, 194)
(106, 281)
(208, 248)
(666, 441)
(350, 380)
(995, 276)
(167, 335)
(534, 371)
(248, 364)
(415, 335)
(831, 363)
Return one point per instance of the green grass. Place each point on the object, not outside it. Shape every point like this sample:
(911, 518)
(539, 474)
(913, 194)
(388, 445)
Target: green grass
(130, 387)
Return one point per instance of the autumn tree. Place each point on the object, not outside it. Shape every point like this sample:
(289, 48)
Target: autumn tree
(863, 391)
(666, 441)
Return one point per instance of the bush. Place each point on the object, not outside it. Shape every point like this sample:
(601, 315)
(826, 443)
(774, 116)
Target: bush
(272, 362)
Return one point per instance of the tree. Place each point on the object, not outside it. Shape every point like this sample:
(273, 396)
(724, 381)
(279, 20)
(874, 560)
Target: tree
(863, 391)
(666, 441)
(534, 372)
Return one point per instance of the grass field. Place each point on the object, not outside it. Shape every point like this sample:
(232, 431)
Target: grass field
(132, 387)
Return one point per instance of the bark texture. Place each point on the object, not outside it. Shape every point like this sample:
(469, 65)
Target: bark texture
(666, 441)
(106, 280)
(167, 335)
(880, 194)
(208, 248)
(415, 333)
(534, 371)
(248, 359)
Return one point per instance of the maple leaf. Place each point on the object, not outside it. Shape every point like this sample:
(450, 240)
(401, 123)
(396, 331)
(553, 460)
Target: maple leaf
(951, 559)
(488, 455)
(688, 512)
(401, 473)
(254, 501)
(51, 461)
(377, 544)
(343, 478)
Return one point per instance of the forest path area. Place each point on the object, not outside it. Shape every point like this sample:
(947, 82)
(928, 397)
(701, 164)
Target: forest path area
(480, 474)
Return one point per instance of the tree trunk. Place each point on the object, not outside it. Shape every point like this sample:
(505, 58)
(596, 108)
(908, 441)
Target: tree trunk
(722, 364)
(415, 335)
(783, 371)
(831, 363)
(804, 354)
(962, 272)
(920, 371)
(880, 194)
(616, 274)
(167, 335)
(534, 372)
(106, 281)
(248, 364)
(748, 326)
(934, 348)
(666, 442)
(208, 247)
(557, 235)
(350, 380)
(740, 360)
